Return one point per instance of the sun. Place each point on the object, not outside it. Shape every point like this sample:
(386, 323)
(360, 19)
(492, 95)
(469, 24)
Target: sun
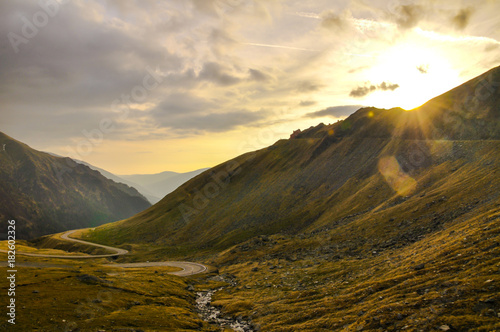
(420, 71)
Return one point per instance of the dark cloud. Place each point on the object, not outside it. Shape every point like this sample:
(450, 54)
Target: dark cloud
(218, 122)
(308, 86)
(92, 53)
(181, 103)
(461, 20)
(330, 20)
(211, 122)
(407, 16)
(218, 74)
(186, 113)
(74, 61)
(220, 8)
(365, 90)
(259, 76)
(221, 41)
(388, 86)
(491, 47)
(362, 91)
(423, 69)
(335, 111)
(205, 6)
(305, 103)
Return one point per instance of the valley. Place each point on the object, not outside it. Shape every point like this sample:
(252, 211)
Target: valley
(385, 221)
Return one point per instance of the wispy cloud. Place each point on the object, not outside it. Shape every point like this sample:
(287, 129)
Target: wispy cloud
(433, 35)
(281, 46)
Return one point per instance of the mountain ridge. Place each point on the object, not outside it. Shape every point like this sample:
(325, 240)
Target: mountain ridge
(47, 194)
(161, 184)
(283, 188)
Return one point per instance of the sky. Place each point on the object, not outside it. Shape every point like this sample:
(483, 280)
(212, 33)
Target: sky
(138, 87)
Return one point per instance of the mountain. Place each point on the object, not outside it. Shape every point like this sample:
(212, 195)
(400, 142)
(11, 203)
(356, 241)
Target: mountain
(47, 194)
(159, 184)
(347, 174)
(152, 198)
(385, 221)
(152, 186)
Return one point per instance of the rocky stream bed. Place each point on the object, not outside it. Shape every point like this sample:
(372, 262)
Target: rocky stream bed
(213, 315)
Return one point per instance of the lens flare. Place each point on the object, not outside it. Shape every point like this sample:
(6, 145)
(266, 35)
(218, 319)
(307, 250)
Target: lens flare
(399, 181)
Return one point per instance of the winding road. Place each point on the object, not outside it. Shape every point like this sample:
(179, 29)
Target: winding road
(188, 268)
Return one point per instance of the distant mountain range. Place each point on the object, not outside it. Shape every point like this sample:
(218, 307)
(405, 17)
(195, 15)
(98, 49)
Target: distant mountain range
(160, 184)
(153, 186)
(48, 194)
(366, 178)
(152, 198)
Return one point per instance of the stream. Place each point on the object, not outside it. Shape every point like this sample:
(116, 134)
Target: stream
(213, 314)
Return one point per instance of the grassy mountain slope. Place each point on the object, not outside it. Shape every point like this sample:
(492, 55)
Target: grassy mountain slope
(386, 221)
(346, 176)
(47, 194)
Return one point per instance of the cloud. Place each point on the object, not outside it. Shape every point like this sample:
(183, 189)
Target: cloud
(423, 69)
(388, 86)
(365, 90)
(182, 103)
(335, 111)
(337, 22)
(196, 123)
(305, 103)
(362, 91)
(221, 41)
(407, 16)
(461, 20)
(186, 113)
(308, 86)
(219, 60)
(258, 75)
(331, 20)
(218, 74)
(76, 61)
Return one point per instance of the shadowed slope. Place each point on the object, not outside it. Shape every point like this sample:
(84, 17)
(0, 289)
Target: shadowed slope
(47, 194)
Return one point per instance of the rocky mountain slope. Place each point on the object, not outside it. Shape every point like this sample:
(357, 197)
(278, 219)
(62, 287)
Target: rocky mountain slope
(47, 194)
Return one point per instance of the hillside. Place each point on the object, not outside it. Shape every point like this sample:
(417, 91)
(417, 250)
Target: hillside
(152, 198)
(47, 194)
(344, 175)
(386, 221)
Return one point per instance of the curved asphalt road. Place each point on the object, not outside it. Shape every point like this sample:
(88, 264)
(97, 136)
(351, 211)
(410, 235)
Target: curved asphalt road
(188, 268)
